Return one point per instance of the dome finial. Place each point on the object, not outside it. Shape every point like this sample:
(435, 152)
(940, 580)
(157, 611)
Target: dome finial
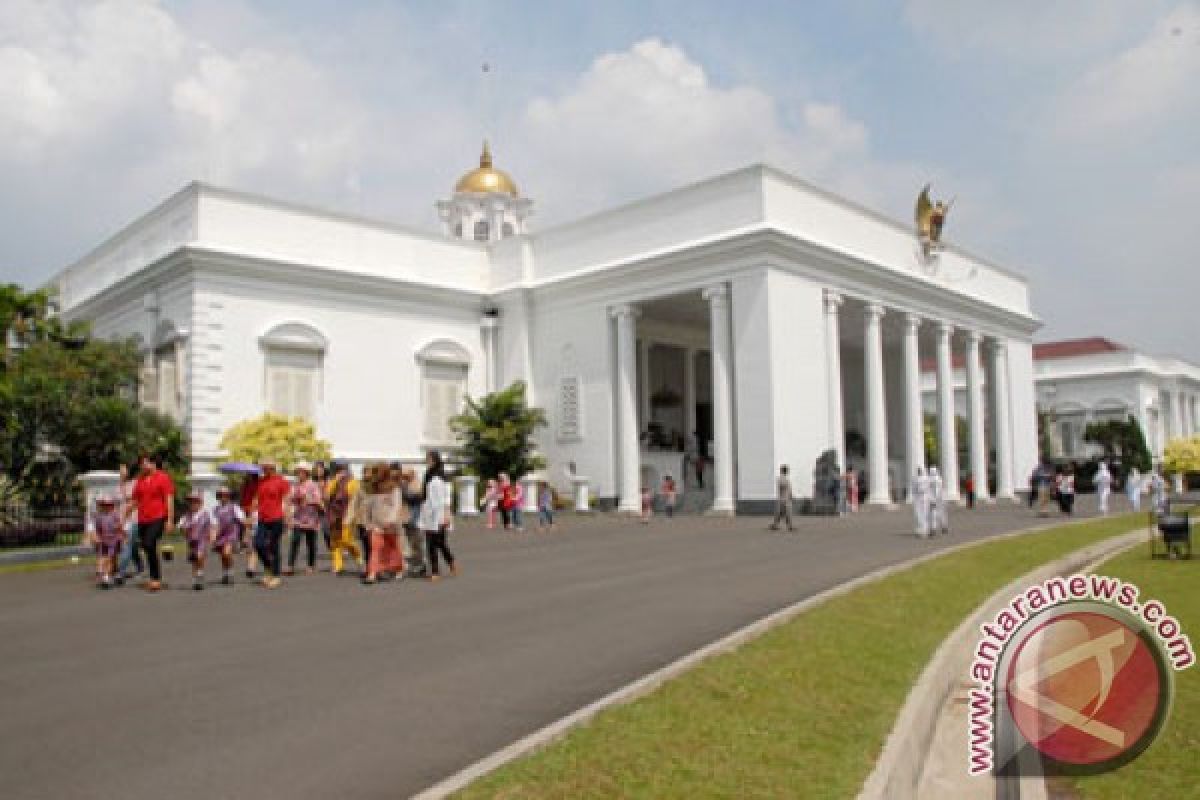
(485, 158)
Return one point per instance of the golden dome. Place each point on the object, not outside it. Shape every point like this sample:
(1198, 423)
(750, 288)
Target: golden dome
(487, 179)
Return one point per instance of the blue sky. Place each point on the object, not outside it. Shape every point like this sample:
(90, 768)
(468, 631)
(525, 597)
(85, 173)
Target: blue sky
(1065, 129)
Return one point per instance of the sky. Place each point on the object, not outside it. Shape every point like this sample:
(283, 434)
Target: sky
(1066, 130)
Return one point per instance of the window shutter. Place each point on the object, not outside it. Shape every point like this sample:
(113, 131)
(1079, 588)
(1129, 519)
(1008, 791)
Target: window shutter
(303, 384)
(279, 390)
(148, 387)
(168, 388)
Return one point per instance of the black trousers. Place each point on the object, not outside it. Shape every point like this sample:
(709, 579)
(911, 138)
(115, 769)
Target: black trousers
(505, 517)
(435, 542)
(267, 545)
(148, 535)
(364, 539)
(310, 539)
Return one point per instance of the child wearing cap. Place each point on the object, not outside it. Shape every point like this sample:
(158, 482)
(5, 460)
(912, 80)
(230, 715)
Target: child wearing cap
(108, 532)
(197, 527)
(230, 522)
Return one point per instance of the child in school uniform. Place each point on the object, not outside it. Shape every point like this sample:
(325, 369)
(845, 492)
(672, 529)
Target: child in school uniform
(197, 528)
(229, 521)
(491, 501)
(108, 532)
(545, 506)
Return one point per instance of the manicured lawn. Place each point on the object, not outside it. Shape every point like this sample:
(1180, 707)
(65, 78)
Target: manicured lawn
(1170, 768)
(800, 712)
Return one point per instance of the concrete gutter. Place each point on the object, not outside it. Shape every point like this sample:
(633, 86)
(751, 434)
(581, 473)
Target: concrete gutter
(647, 684)
(41, 554)
(898, 771)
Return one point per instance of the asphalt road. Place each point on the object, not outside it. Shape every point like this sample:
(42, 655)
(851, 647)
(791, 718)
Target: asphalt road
(329, 689)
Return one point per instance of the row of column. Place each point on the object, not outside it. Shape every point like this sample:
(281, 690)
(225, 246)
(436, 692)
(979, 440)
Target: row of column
(1183, 409)
(876, 404)
(628, 448)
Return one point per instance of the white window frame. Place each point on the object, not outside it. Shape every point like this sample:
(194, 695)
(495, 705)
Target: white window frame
(444, 368)
(294, 351)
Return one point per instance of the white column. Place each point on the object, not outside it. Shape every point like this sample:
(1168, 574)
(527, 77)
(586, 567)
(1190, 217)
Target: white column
(977, 436)
(488, 324)
(643, 387)
(914, 418)
(689, 394)
(833, 365)
(467, 505)
(877, 451)
(947, 444)
(1177, 407)
(722, 391)
(1001, 421)
(628, 462)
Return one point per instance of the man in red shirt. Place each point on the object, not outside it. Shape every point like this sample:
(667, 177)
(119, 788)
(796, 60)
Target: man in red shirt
(153, 500)
(268, 505)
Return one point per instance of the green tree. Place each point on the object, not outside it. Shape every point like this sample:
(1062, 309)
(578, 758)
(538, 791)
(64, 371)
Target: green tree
(930, 430)
(285, 439)
(1121, 439)
(497, 433)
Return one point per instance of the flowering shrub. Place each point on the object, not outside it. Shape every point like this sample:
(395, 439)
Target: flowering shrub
(285, 439)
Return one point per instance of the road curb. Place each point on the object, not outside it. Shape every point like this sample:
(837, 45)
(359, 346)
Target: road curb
(45, 554)
(648, 683)
(898, 771)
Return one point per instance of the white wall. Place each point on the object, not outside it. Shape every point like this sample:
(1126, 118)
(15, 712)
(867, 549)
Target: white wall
(369, 401)
(1024, 410)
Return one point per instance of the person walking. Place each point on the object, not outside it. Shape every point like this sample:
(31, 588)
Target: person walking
(939, 513)
(267, 508)
(197, 527)
(107, 527)
(1133, 488)
(307, 506)
(783, 500)
(490, 503)
(507, 499)
(130, 553)
(969, 490)
(1158, 492)
(413, 492)
(920, 501)
(1066, 491)
(670, 495)
(1103, 481)
(545, 506)
(339, 491)
(153, 506)
(248, 491)
(229, 521)
(852, 489)
(322, 478)
(435, 518)
(383, 516)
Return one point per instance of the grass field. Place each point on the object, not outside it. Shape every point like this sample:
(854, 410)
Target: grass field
(800, 712)
(1170, 768)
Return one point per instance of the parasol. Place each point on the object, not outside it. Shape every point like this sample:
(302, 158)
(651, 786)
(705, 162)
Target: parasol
(240, 468)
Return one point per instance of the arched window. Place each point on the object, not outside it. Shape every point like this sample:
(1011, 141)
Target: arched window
(161, 381)
(294, 354)
(444, 366)
(481, 231)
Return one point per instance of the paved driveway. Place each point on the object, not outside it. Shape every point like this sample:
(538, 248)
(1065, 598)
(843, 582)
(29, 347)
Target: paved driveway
(329, 689)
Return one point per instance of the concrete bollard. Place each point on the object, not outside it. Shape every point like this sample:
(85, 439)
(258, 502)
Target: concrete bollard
(529, 485)
(468, 505)
(579, 491)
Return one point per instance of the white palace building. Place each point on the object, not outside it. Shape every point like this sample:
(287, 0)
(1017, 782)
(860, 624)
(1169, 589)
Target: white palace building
(751, 315)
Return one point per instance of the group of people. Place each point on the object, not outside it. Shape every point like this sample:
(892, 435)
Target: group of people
(1047, 486)
(930, 509)
(504, 496)
(391, 524)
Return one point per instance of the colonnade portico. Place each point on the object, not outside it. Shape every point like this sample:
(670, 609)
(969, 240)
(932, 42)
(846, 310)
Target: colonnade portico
(995, 406)
(633, 398)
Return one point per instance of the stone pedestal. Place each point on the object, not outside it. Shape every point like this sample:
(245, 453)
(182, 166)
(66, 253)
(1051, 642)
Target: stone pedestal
(468, 504)
(99, 482)
(580, 494)
(207, 483)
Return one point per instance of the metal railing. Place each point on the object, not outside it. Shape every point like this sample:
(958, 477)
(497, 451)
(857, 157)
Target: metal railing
(24, 527)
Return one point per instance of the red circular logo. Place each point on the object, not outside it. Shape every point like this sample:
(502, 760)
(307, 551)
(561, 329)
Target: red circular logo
(1086, 689)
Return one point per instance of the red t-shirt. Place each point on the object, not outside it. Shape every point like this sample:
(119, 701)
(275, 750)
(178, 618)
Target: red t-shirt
(151, 493)
(271, 492)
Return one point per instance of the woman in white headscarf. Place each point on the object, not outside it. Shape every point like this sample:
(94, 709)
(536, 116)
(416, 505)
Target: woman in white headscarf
(920, 501)
(1133, 488)
(1103, 481)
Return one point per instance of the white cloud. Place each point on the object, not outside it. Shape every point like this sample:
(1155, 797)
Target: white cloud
(1140, 87)
(1022, 30)
(649, 118)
